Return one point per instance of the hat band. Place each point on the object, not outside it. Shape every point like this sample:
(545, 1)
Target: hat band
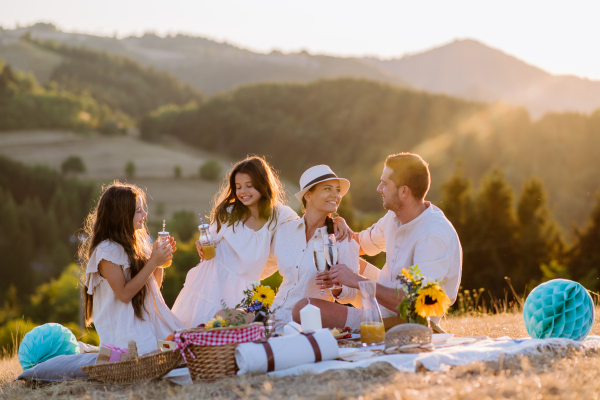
(319, 179)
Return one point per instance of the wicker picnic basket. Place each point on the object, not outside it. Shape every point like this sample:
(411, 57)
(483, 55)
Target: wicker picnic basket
(211, 362)
(136, 369)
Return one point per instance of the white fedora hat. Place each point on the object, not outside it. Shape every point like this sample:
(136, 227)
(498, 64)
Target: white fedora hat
(318, 174)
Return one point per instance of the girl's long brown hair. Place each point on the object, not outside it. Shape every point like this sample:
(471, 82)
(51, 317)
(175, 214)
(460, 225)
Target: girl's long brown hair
(112, 219)
(265, 181)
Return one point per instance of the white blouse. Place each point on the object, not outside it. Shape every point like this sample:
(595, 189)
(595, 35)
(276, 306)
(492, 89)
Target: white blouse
(294, 258)
(242, 257)
(114, 320)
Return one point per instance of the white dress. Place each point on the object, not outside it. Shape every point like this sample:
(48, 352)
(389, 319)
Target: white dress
(294, 259)
(114, 320)
(242, 257)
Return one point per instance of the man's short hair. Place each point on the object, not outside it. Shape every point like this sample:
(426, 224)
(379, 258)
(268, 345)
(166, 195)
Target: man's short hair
(409, 170)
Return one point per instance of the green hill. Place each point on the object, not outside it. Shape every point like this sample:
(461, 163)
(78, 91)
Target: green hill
(352, 125)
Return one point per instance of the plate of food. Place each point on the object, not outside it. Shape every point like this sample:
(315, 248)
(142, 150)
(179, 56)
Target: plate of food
(342, 333)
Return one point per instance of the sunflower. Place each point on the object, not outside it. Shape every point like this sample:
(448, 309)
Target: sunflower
(432, 302)
(211, 324)
(264, 294)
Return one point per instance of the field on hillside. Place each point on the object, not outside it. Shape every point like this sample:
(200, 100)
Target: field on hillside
(105, 158)
(553, 375)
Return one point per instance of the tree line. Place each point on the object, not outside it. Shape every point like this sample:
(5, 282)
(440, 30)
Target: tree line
(352, 125)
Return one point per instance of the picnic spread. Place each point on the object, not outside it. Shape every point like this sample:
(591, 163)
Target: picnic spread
(558, 316)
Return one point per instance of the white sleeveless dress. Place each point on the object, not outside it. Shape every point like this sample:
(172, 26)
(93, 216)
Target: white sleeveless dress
(242, 257)
(114, 320)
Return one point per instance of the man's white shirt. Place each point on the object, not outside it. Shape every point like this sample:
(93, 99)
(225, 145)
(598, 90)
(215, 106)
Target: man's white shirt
(429, 240)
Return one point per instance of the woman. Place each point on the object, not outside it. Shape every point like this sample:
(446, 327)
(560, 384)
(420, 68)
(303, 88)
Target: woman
(294, 241)
(247, 212)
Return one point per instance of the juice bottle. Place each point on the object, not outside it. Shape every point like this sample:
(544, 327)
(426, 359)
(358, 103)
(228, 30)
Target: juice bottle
(206, 241)
(372, 331)
(163, 236)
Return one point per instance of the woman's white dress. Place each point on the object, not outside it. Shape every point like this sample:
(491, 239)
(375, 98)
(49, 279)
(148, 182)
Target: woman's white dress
(114, 320)
(294, 258)
(242, 257)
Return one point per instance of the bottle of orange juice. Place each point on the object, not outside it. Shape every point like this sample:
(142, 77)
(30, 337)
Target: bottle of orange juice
(163, 236)
(206, 241)
(372, 331)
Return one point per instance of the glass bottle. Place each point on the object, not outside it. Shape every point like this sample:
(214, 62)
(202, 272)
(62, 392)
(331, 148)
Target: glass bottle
(372, 331)
(163, 237)
(206, 241)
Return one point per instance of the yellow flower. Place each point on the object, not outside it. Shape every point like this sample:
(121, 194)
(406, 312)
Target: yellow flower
(406, 273)
(264, 294)
(211, 323)
(432, 302)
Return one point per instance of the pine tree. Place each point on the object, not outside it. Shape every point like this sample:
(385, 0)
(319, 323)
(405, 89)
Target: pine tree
(457, 203)
(539, 238)
(493, 254)
(585, 261)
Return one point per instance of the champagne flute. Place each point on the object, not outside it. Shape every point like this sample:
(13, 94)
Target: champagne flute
(331, 254)
(319, 258)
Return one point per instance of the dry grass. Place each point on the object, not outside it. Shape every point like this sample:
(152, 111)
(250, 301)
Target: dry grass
(553, 376)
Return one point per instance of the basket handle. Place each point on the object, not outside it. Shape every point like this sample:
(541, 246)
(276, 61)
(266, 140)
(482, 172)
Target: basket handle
(132, 348)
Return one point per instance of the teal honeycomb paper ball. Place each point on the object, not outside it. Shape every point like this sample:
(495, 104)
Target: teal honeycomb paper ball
(559, 308)
(45, 342)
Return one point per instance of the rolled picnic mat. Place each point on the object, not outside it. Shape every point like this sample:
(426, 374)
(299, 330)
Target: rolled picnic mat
(285, 352)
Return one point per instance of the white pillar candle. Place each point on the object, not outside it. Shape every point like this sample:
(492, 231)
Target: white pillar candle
(310, 318)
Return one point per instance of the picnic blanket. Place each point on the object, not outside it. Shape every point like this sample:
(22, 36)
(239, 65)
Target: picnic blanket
(453, 352)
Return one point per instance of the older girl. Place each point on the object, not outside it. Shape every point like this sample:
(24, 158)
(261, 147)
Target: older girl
(123, 274)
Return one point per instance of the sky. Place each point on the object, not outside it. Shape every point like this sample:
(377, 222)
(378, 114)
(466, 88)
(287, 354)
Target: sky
(559, 37)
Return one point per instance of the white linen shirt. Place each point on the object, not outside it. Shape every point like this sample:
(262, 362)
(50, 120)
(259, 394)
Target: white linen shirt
(429, 240)
(294, 258)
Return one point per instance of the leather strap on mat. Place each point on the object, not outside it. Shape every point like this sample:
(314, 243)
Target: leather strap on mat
(315, 346)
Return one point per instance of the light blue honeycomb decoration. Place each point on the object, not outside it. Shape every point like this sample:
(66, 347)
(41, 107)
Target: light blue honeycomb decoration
(45, 342)
(559, 308)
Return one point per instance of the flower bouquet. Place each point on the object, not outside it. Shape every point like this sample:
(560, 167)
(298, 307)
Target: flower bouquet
(422, 298)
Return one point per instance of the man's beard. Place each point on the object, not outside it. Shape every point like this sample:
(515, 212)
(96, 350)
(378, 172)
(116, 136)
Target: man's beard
(393, 203)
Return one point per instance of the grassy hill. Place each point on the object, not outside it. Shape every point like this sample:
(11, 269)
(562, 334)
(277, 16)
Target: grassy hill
(105, 159)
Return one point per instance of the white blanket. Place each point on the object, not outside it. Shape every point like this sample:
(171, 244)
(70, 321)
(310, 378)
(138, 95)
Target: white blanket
(288, 351)
(445, 356)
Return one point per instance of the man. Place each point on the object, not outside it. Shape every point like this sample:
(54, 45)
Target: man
(414, 231)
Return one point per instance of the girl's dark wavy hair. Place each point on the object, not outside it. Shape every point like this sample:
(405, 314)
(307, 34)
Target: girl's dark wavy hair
(112, 219)
(228, 209)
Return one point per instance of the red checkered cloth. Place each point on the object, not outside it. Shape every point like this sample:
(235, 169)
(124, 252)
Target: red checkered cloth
(217, 337)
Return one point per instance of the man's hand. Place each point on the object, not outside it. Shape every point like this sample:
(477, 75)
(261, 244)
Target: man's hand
(343, 275)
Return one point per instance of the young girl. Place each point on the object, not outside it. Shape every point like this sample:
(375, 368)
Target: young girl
(247, 212)
(123, 274)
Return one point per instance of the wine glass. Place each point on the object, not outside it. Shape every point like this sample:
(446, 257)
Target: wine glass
(331, 254)
(319, 258)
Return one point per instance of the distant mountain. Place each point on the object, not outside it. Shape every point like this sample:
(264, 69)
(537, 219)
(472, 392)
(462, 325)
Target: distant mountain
(474, 71)
(464, 68)
(203, 63)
